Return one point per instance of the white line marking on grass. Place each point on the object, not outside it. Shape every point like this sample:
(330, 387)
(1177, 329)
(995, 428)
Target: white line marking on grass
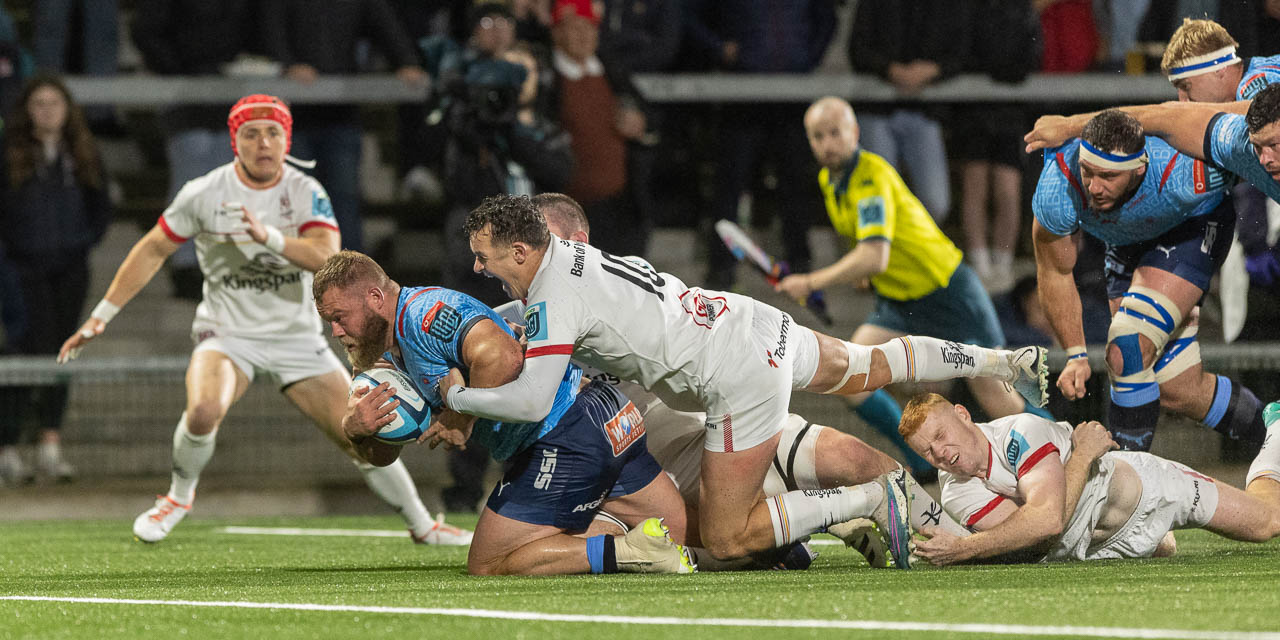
(374, 533)
(296, 531)
(862, 625)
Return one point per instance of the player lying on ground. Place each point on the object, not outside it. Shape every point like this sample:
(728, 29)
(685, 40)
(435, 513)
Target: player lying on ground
(260, 228)
(1167, 221)
(1023, 481)
(728, 355)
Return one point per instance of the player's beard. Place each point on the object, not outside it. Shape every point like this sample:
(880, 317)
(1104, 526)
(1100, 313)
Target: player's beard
(366, 350)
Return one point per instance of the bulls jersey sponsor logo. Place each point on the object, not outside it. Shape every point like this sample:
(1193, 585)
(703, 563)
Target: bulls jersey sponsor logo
(547, 470)
(624, 429)
(1253, 85)
(441, 321)
(704, 309)
(535, 322)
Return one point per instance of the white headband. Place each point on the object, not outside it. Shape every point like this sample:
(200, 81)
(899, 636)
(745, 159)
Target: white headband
(1197, 65)
(1104, 160)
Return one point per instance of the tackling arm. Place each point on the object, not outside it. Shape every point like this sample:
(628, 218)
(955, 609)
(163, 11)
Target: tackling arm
(527, 397)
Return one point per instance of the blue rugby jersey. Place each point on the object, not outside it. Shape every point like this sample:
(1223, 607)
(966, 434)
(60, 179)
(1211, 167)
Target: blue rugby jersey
(1227, 145)
(1176, 187)
(1260, 72)
(431, 323)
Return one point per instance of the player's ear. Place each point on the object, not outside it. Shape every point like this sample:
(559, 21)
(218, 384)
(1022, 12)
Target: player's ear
(963, 413)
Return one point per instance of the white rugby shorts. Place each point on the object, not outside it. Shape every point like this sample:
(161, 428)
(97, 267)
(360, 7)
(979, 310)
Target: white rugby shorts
(748, 395)
(1174, 496)
(288, 359)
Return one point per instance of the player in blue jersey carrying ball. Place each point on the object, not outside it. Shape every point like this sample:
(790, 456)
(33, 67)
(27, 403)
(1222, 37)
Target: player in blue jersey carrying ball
(588, 451)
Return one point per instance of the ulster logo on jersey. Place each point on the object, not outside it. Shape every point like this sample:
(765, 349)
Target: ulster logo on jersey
(704, 309)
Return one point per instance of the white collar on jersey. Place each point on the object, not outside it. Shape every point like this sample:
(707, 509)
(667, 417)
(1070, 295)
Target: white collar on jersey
(572, 69)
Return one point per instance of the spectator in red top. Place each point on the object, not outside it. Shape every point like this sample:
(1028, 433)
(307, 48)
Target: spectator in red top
(600, 121)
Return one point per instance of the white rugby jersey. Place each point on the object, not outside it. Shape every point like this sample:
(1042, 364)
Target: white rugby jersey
(621, 317)
(249, 290)
(1015, 445)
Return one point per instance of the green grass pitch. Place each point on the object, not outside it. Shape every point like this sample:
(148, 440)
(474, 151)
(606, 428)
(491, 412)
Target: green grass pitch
(1213, 589)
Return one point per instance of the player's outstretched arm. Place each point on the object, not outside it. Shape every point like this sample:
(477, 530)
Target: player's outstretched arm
(1055, 259)
(138, 268)
(1038, 519)
(1182, 124)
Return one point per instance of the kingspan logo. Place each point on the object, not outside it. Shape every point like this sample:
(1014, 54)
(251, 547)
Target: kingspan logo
(265, 272)
(953, 354)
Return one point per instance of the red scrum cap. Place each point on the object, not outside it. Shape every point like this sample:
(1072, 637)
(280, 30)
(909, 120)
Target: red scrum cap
(258, 108)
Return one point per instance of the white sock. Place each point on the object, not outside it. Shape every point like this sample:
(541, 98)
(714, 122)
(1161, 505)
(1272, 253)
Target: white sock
(796, 514)
(980, 258)
(393, 484)
(1001, 261)
(190, 454)
(1267, 462)
(923, 359)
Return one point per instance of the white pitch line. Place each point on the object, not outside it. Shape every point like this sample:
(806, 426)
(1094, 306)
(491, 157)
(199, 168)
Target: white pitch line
(296, 531)
(371, 533)
(860, 625)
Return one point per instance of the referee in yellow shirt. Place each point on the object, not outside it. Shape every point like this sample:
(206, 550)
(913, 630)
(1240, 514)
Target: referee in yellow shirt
(921, 285)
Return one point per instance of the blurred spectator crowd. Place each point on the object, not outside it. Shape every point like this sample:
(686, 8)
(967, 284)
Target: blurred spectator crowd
(537, 95)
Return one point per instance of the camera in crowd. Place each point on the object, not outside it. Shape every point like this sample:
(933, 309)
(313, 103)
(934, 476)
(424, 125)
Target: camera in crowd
(476, 96)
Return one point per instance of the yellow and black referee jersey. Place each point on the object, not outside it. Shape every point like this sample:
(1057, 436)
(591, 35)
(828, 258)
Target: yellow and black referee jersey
(870, 201)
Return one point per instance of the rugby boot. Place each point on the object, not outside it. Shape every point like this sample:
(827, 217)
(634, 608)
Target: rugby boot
(156, 523)
(648, 548)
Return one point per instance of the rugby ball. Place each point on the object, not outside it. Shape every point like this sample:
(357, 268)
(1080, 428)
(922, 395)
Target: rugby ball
(412, 417)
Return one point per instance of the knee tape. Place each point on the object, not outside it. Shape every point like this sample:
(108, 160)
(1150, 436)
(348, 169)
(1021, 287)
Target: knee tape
(859, 364)
(1143, 312)
(1182, 353)
(795, 465)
